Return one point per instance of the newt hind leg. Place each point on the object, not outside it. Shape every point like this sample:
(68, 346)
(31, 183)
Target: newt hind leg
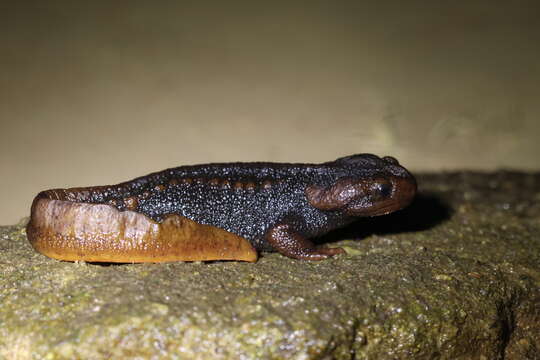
(288, 242)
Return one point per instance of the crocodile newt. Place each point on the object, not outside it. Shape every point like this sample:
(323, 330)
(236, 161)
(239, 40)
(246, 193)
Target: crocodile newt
(221, 211)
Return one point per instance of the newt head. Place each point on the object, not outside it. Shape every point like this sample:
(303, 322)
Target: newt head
(370, 186)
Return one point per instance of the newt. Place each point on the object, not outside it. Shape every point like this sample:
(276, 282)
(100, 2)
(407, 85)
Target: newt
(219, 211)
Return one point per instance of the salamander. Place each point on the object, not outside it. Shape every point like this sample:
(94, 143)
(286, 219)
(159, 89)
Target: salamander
(218, 211)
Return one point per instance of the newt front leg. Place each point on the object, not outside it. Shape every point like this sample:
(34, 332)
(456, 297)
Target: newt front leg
(288, 242)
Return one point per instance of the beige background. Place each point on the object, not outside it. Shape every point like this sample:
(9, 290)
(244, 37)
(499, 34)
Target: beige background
(98, 92)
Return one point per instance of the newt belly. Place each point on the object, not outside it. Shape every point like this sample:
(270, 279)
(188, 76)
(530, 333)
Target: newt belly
(224, 211)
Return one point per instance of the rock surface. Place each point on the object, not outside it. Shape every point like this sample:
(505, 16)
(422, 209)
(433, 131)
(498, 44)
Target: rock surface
(455, 276)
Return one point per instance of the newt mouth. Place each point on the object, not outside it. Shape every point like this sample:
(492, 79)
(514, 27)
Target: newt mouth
(383, 210)
(377, 210)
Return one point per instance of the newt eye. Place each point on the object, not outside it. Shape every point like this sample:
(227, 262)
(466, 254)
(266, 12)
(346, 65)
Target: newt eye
(383, 189)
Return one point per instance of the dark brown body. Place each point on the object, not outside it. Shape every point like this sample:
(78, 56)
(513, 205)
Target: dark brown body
(223, 211)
